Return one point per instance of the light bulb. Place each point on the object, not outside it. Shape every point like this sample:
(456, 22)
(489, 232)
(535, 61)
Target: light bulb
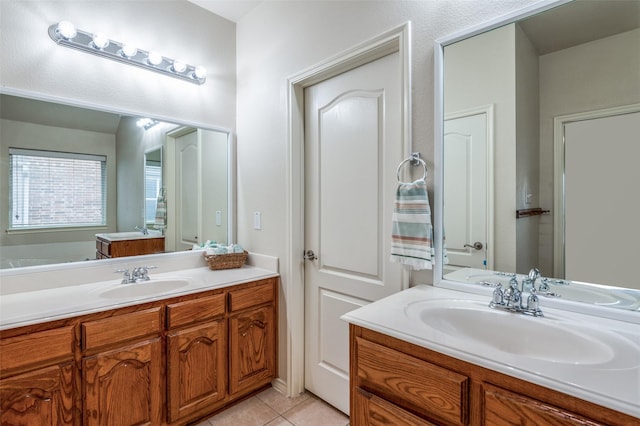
(179, 66)
(154, 58)
(100, 41)
(129, 50)
(66, 30)
(200, 72)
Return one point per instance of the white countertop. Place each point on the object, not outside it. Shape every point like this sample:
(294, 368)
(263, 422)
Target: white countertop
(613, 386)
(47, 304)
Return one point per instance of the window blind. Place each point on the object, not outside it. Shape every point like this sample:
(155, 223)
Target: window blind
(56, 189)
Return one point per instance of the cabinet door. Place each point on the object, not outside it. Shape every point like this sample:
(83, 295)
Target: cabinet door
(503, 407)
(251, 349)
(196, 368)
(124, 386)
(38, 398)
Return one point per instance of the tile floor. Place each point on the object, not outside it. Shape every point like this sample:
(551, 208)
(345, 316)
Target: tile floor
(271, 408)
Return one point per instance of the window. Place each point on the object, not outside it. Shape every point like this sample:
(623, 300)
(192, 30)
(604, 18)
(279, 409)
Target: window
(56, 189)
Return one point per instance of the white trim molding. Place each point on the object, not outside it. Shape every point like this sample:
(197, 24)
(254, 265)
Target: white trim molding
(395, 40)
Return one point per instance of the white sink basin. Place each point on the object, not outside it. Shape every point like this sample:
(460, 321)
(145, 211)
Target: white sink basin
(545, 339)
(148, 288)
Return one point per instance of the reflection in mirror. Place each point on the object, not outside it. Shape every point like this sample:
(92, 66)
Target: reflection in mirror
(139, 182)
(540, 115)
(155, 212)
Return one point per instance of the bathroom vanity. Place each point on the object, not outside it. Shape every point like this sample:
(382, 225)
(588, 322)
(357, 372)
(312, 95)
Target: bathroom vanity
(121, 244)
(413, 363)
(130, 356)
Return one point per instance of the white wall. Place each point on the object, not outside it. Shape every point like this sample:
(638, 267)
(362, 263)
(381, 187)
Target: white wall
(281, 38)
(527, 152)
(592, 76)
(215, 186)
(131, 144)
(31, 61)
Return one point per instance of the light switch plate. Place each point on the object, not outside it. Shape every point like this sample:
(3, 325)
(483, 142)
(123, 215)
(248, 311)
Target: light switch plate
(257, 220)
(218, 217)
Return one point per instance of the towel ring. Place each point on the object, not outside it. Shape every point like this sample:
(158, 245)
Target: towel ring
(412, 159)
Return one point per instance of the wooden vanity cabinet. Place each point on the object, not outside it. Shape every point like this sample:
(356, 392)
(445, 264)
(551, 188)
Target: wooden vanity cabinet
(165, 362)
(394, 382)
(107, 249)
(123, 369)
(252, 337)
(196, 356)
(37, 378)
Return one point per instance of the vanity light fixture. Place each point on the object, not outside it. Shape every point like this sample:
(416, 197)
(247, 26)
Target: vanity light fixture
(66, 34)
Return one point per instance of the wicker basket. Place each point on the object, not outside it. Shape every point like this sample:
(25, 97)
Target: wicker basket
(226, 261)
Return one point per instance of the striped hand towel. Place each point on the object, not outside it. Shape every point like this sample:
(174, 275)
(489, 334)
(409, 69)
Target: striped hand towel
(161, 210)
(412, 233)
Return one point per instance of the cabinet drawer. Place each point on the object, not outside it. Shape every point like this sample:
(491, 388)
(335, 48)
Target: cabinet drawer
(39, 348)
(503, 407)
(192, 311)
(413, 384)
(103, 247)
(378, 411)
(121, 328)
(252, 296)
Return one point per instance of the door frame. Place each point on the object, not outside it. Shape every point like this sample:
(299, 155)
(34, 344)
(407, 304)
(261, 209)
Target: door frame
(558, 173)
(488, 111)
(395, 40)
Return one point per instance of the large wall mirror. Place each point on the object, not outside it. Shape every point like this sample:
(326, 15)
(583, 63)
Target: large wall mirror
(538, 117)
(167, 179)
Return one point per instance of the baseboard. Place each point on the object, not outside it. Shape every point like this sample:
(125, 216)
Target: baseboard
(280, 385)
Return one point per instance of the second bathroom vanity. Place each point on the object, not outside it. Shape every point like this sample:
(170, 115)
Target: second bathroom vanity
(167, 351)
(430, 356)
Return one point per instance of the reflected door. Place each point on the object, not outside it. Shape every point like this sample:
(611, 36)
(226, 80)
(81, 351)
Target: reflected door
(353, 145)
(466, 216)
(601, 200)
(187, 190)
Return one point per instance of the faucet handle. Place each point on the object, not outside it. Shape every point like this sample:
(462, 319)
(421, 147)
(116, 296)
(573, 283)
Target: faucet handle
(533, 304)
(126, 279)
(498, 296)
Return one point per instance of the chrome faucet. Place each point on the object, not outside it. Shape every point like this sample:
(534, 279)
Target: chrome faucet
(138, 275)
(144, 230)
(512, 298)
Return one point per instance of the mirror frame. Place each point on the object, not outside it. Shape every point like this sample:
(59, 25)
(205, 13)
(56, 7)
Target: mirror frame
(231, 157)
(438, 279)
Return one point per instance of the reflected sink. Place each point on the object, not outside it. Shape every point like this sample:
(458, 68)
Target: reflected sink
(574, 291)
(545, 339)
(132, 235)
(148, 288)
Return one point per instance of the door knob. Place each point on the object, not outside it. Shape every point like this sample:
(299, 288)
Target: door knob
(476, 246)
(309, 255)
